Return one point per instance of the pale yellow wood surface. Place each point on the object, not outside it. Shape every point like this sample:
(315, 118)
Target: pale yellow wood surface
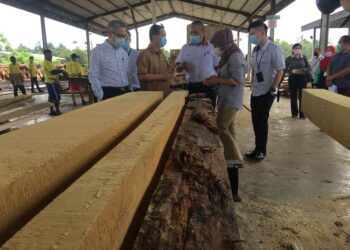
(95, 212)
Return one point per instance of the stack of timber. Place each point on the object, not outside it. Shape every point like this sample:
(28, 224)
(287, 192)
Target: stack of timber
(96, 211)
(93, 174)
(330, 112)
(18, 108)
(40, 161)
(192, 207)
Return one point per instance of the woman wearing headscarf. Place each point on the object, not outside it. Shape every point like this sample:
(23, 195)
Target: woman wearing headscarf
(232, 69)
(321, 70)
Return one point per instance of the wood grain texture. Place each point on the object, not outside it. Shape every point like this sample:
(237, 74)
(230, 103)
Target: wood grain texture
(192, 207)
(36, 161)
(95, 212)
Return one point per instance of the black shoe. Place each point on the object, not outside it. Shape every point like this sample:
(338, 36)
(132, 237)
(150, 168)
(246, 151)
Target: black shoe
(294, 116)
(259, 156)
(236, 198)
(251, 155)
(84, 102)
(302, 116)
(33, 91)
(74, 104)
(41, 91)
(52, 113)
(58, 113)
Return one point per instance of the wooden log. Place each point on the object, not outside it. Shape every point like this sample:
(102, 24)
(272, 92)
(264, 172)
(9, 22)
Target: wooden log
(5, 102)
(19, 122)
(38, 161)
(330, 112)
(16, 105)
(96, 211)
(24, 111)
(192, 207)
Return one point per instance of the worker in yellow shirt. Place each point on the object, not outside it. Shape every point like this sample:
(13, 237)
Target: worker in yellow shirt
(74, 70)
(16, 77)
(33, 75)
(52, 82)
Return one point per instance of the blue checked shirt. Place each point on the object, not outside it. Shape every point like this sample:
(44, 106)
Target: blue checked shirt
(108, 68)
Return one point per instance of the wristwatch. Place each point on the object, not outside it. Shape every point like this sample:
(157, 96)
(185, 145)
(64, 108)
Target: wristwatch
(273, 91)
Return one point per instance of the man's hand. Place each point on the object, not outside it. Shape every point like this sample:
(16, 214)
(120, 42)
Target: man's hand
(187, 66)
(211, 81)
(167, 76)
(329, 81)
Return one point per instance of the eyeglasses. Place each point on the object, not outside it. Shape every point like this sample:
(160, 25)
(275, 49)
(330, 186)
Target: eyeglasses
(118, 35)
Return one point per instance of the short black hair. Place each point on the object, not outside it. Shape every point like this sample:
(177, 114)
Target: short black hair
(155, 30)
(297, 45)
(47, 51)
(345, 39)
(12, 58)
(31, 57)
(198, 22)
(258, 24)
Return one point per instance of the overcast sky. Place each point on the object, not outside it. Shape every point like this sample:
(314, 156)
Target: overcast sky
(26, 28)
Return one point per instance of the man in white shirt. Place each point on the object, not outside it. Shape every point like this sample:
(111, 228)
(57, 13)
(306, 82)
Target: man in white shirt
(199, 60)
(108, 72)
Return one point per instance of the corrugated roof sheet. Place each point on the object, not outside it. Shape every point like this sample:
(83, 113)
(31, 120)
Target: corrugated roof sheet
(95, 14)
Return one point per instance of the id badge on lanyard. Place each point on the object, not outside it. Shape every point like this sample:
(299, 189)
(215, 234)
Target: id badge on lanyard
(259, 75)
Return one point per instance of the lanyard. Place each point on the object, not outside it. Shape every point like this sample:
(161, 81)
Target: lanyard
(258, 64)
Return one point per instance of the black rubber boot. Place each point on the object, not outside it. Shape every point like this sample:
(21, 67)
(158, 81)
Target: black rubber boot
(233, 177)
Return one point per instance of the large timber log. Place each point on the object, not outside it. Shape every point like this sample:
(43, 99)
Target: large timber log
(192, 207)
(96, 211)
(330, 112)
(38, 162)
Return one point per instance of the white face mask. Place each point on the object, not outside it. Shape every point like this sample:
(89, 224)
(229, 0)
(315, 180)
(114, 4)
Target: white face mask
(328, 54)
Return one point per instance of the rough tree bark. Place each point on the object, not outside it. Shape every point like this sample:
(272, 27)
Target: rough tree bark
(192, 207)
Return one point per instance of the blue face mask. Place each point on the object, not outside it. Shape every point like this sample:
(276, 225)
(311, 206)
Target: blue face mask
(126, 45)
(195, 39)
(253, 40)
(162, 42)
(119, 42)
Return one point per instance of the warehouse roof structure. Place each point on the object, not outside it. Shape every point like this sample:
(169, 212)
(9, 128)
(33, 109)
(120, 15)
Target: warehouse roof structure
(340, 19)
(95, 15)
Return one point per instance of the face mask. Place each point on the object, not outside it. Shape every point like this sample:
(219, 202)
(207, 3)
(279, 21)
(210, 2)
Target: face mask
(328, 54)
(195, 39)
(339, 48)
(162, 42)
(253, 39)
(126, 44)
(297, 51)
(119, 42)
(316, 54)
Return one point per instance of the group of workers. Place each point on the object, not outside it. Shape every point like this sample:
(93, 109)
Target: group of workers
(217, 68)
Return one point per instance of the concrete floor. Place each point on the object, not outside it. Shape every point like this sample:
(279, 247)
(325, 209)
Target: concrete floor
(300, 194)
(40, 115)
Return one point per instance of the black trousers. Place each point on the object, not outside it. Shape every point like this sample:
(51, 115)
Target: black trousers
(261, 106)
(199, 87)
(19, 87)
(34, 80)
(110, 92)
(296, 85)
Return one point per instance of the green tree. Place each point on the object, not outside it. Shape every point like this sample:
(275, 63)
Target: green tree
(4, 43)
(287, 47)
